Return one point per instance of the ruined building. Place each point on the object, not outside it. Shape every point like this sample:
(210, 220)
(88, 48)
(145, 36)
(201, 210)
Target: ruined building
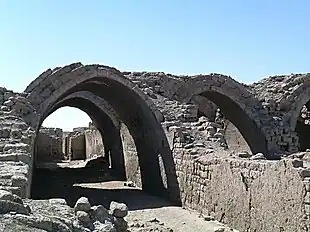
(52, 144)
(246, 163)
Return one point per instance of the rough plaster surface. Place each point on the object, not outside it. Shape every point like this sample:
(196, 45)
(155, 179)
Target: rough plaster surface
(131, 157)
(245, 194)
(93, 143)
(48, 147)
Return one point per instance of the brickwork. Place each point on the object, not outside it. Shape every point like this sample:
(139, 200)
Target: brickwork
(165, 129)
(49, 145)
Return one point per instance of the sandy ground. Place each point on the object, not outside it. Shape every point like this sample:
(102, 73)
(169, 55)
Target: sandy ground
(154, 213)
(146, 208)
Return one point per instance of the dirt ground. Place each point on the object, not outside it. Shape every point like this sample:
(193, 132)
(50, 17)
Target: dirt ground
(152, 211)
(146, 212)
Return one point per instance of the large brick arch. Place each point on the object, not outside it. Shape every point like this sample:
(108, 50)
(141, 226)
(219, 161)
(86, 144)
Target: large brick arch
(234, 100)
(133, 107)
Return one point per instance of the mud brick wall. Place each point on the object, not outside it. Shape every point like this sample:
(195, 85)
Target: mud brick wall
(48, 148)
(130, 156)
(248, 195)
(78, 147)
(49, 145)
(93, 143)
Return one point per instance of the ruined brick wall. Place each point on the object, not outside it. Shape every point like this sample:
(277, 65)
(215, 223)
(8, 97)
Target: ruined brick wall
(234, 139)
(247, 193)
(49, 145)
(130, 156)
(77, 143)
(53, 144)
(16, 140)
(65, 146)
(93, 143)
(282, 97)
(244, 193)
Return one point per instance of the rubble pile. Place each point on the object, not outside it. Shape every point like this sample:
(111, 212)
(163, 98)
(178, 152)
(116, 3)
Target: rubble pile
(55, 215)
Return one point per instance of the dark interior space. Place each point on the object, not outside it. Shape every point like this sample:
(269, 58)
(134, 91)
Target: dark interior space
(59, 183)
(110, 134)
(303, 127)
(303, 132)
(134, 111)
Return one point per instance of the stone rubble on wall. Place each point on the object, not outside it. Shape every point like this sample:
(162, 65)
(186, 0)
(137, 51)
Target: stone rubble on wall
(189, 136)
(190, 131)
(277, 94)
(16, 137)
(156, 82)
(201, 134)
(174, 113)
(161, 87)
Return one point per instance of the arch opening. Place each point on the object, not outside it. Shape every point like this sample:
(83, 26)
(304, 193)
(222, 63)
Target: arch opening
(133, 109)
(296, 109)
(107, 128)
(80, 164)
(238, 121)
(52, 138)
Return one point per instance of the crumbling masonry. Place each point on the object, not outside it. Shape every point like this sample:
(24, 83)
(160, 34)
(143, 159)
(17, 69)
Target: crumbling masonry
(52, 144)
(240, 163)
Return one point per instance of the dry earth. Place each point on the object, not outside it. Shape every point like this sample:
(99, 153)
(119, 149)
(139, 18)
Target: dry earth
(146, 212)
(165, 217)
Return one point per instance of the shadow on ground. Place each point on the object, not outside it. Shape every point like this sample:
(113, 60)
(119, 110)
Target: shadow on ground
(61, 183)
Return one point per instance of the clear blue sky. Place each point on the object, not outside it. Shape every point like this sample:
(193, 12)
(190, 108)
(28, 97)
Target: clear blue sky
(247, 39)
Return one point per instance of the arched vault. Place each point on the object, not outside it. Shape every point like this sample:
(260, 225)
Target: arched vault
(100, 113)
(234, 100)
(131, 105)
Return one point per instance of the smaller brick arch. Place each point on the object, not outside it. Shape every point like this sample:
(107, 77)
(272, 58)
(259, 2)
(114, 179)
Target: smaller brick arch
(106, 121)
(297, 95)
(235, 101)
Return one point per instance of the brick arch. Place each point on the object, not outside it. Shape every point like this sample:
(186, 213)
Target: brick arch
(236, 102)
(99, 102)
(297, 95)
(133, 107)
(106, 121)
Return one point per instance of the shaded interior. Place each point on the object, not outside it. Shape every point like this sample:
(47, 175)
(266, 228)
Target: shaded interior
(303, 131)
(147, 132)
